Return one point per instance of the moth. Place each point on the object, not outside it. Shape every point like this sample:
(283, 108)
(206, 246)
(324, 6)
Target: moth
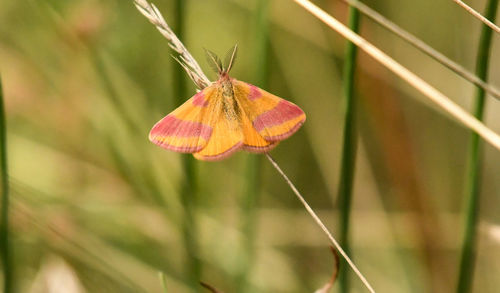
(227, 116)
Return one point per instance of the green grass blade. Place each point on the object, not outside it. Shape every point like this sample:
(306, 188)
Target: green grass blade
(262, 44)
(248, 204)
(468, 254)
(163, 281)
(189, 185)
(189, 229)
(254, 162)
(348, 160)
(98, 62)
(4, 225)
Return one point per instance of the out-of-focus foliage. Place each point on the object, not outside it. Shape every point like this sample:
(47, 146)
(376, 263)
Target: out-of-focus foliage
(97, 206)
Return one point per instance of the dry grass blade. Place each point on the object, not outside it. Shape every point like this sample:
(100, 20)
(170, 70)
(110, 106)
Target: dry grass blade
(210, 288)
(433, 94)
(380, 19)
(323, 289)
(186, 60)
(163, 281)
(330, 283)
(478, 16)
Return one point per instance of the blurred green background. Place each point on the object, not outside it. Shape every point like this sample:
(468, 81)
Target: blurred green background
(95, 207)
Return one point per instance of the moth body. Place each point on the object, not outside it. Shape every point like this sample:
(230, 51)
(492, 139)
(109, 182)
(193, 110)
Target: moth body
(229, 103)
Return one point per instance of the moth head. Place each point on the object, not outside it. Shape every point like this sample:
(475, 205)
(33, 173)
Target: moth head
(216, 63)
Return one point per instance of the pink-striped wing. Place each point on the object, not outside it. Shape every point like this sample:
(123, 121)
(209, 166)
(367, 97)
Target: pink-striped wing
(272, 117)
(187, 129)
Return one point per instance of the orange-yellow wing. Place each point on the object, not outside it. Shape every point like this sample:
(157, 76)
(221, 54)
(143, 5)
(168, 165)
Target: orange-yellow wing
(272, 118)
(188, 128)
(253, 141)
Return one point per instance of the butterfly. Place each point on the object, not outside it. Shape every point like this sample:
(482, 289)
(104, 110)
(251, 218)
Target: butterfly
(227, 116)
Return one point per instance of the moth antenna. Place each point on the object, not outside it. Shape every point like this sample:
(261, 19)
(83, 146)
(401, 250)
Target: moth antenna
(230, 57)
(214, 61)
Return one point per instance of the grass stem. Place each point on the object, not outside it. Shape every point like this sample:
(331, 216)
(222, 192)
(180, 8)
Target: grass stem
(349, 146)
(249, 221)
(254, 162)
(4, 225)
(163, 281)
(189, 185)
(468, 254)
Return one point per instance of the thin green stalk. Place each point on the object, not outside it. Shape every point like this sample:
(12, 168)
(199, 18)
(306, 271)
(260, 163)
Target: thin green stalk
(163, 281)
(349, 147)
(189, 229)
(4, 225)
(254, 162)
(99, 63)
(249, 222)
(468, 255)
(189, 185)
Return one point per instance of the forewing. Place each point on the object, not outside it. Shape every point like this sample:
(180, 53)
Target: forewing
(272, 117)
(189, 127)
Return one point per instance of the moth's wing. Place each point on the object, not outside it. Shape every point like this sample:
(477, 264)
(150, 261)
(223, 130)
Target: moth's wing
(227, 136)
(188, 128)
(272, 117)
(253, 141)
